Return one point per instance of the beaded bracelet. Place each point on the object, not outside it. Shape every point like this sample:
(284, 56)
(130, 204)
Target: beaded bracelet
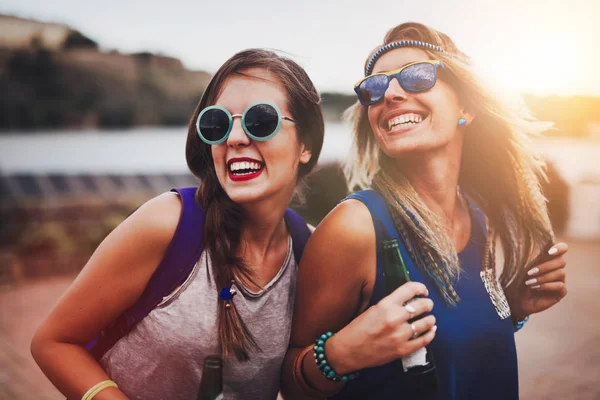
(323, 365)
(520, 324)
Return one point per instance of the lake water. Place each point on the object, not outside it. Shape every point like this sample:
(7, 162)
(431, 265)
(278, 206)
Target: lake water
(146, 150)
(162, 150)
(134, 151)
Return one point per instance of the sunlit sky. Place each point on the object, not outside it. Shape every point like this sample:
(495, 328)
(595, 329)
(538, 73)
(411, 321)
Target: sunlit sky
(530, 46)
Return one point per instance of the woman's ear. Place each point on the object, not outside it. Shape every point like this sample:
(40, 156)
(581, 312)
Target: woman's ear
(305, 154)
(305, 151)
(468, 116)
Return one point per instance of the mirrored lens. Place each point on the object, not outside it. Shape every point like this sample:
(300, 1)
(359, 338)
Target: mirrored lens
(261, 120)
(214, 125)
(371, 90)
(418, 77)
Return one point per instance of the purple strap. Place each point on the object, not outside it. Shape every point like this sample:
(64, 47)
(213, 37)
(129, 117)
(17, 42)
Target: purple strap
(179, 260)
(299, 231)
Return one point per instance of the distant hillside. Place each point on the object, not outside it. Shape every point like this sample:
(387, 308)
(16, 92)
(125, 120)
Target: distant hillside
(69, 83)
(20, 33)
(52, 76)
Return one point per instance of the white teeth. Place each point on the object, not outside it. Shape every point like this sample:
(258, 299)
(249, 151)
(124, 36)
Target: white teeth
(244, 165)
(405, 119)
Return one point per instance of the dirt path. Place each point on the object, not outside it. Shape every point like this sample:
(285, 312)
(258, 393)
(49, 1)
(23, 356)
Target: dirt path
(559, 350)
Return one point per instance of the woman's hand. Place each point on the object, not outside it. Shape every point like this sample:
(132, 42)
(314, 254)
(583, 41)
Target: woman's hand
(542, 286)
(383, 333)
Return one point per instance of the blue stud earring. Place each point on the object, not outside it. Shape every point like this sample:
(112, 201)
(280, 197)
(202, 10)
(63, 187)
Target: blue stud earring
(462, 122)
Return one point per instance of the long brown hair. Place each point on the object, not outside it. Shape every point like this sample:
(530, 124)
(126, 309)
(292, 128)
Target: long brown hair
(223, 216)
(499, 171)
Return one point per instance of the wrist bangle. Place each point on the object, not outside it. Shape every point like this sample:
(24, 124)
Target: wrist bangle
(299, 378)
(520, 324)
(323, 364)
(97, 388)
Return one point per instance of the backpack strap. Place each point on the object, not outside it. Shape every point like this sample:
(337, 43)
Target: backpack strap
(178, 262)
(299, 232)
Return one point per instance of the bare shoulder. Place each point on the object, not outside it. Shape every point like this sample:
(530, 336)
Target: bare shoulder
(157, 218)
(348, 224)
(343, 243)
(140, 241)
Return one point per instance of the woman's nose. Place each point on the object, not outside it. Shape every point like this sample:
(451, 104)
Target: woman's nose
(237, 136)
(394, 92)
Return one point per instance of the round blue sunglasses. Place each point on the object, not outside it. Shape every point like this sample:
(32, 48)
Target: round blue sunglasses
(260, 121)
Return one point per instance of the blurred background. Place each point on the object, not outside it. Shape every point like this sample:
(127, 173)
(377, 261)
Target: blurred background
(95, 99)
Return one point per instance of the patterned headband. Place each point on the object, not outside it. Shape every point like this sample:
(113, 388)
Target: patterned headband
(395, 45)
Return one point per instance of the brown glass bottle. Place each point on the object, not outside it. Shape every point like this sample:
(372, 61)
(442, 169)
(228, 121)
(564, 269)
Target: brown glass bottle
(417, 370)
(211, 385)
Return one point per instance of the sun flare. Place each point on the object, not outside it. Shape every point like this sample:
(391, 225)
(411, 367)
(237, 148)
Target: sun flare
(540, 65)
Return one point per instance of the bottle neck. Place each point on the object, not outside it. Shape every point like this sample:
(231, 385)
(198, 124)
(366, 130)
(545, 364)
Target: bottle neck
(211, 385)
(395, 269)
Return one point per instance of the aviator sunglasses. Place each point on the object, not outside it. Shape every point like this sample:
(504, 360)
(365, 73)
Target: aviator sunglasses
(260, 121)
(414, 78)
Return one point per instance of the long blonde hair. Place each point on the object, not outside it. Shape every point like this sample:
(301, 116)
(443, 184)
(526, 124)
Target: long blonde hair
(499, 172)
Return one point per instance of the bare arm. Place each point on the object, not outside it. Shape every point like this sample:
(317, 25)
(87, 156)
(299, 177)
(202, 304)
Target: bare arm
(111, 281)
(335, 281)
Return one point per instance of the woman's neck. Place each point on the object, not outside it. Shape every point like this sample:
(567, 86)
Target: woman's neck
(434, 176)
(262, 228)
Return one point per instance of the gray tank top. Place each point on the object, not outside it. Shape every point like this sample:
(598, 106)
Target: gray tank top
(163, 356)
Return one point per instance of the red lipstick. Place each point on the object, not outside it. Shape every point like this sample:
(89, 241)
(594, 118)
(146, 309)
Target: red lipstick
(245, 176)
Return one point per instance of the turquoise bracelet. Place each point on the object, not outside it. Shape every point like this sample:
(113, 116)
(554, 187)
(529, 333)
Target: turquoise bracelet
(520, 324)
(323, 365)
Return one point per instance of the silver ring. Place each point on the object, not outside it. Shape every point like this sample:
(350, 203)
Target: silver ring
(415, 333)
(410, 309)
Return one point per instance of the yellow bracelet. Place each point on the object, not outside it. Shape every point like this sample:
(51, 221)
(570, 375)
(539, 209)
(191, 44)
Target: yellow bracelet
(97, 388)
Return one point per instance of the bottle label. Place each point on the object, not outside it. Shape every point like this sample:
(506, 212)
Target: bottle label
(418, 358)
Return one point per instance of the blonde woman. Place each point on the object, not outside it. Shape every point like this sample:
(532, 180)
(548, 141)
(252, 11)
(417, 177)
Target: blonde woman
(454, 182)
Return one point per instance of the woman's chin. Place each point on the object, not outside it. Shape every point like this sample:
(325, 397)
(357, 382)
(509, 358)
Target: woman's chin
(245, 195)
(412, 146)
(406, 150)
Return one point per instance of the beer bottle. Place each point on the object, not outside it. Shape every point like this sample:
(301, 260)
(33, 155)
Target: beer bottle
(211, 385)
(417, 370)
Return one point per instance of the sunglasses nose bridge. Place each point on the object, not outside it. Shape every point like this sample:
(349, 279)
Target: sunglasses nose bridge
(237, 136)
(395, 91)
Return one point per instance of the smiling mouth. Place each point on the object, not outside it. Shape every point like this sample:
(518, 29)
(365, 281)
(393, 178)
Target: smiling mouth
(242, 168)
(405, 120)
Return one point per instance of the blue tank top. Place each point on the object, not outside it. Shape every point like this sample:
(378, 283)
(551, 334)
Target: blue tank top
(474, 348)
